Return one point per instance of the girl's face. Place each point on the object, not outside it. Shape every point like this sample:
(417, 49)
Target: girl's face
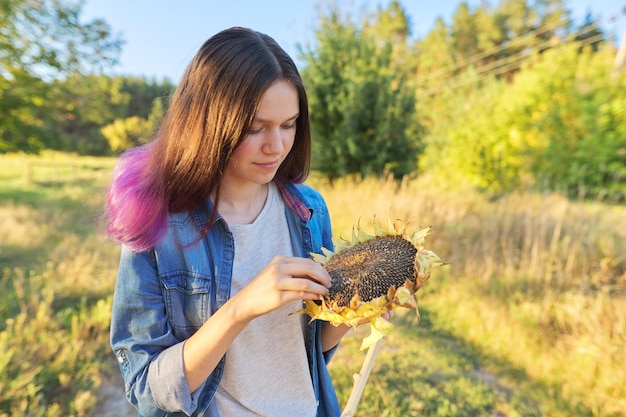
(269, 139)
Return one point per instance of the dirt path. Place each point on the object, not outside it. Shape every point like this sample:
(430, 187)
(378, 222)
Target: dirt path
(112, 401)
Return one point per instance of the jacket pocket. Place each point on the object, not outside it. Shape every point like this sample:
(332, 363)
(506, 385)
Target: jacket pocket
(187, 297)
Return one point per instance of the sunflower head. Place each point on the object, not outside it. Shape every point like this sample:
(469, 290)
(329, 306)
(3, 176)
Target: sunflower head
(372, 275)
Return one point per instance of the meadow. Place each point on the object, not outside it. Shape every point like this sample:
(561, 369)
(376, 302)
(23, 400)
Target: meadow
(527, 319)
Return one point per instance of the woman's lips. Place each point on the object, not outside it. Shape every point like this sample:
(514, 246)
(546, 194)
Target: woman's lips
(268, 165)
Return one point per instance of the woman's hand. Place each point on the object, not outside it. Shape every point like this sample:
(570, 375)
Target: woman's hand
(283, 280)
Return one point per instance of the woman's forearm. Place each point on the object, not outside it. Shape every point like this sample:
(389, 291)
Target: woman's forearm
(204, 350)
(332, 335)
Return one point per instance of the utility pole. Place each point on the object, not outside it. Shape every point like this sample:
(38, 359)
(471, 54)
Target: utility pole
(621, 52)
(620, 57)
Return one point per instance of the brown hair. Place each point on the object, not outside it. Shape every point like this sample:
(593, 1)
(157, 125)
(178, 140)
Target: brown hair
(212, 109)
(208, 117)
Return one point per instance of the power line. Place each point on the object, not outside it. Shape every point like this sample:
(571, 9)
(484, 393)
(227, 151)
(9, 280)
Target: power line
(496, 67)
(511, 65)
(492, 51)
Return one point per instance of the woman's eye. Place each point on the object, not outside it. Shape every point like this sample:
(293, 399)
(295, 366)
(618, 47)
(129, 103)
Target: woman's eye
(289, 126)
(254, 131)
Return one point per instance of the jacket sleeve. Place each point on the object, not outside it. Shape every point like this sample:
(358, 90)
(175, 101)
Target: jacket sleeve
(149, 355)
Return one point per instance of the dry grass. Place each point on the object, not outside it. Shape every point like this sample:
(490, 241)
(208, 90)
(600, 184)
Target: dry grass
(535, 296)
(57, 276)
(536, 281)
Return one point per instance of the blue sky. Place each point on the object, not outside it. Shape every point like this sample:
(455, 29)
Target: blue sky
(162, 36)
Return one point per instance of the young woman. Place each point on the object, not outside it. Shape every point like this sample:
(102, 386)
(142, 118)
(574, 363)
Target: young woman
(217, 229)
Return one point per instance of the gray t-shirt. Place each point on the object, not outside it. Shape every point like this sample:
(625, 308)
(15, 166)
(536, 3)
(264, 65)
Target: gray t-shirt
(266, 371)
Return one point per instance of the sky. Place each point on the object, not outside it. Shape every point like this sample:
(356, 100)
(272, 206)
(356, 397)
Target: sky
(161, 36)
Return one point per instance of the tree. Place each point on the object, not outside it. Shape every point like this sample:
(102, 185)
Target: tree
(361, 105)
(41, 43)
(132, 131)
(559, 125)
(569, 114)
(47, 38)
(22, 102)
(494, 40)
(142, 93)
(125, 133)
(464, 35)
(435, 54)
(83, 104)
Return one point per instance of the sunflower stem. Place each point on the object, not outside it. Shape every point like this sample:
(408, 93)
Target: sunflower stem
(360, 379)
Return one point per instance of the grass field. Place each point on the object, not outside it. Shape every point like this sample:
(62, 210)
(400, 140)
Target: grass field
(528, 318)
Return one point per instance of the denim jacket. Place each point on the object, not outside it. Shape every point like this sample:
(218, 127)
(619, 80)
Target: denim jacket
(162, 296)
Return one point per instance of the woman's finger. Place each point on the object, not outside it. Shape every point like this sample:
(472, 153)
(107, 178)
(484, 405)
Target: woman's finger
(303, 285)
(304, 268)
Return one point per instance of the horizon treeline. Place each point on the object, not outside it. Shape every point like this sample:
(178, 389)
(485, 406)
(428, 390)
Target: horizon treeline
(500, 96)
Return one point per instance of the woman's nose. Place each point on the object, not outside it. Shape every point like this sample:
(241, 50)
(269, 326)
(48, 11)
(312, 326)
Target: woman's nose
(274, 141)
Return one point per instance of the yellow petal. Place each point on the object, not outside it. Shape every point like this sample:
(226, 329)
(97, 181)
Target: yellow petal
(404, 298)
(382, 325)
(374, 336)
(320, 259)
